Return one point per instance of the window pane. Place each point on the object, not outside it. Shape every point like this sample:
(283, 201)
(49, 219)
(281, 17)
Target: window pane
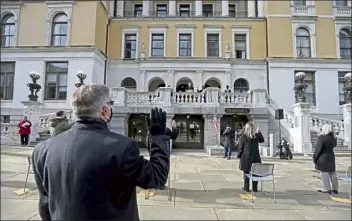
(7, 67)
(9, 92)
(51, 79)
(157, 37)
(9, 79)
(2, 79)
(50, 92)
(62, 93)
(63, 80)
(157, 52)
(57, 67)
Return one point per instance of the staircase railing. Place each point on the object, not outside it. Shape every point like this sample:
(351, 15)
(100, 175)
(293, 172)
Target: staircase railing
(44, 120)
(318, 122)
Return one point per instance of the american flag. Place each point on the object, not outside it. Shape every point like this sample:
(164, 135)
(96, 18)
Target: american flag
(215, 126)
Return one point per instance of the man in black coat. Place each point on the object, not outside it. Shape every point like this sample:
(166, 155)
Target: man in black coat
(91, 173)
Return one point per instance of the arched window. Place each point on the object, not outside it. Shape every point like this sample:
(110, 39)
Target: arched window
(345, 43)
(129, 83)
(240, 86)
(8, 31)
(59, 30)
(303, 43)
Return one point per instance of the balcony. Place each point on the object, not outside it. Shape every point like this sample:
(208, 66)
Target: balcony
(302, 10)
(183, 14)
(342, 11)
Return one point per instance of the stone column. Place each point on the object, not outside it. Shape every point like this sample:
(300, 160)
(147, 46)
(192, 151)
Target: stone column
(32, 111)
(169, 118)
(251, 8)
(120, 8)
(212, 96)
(142, 83)
(199, 80)
(165, 96)
(146, 9)
(225, 8)
(258, 98)
(199, 7)
(346, 110)
(228, 80)
(211, 142)
(118, 95)
(119, 123)
(172, 7)
(302, 139)
(260, 4)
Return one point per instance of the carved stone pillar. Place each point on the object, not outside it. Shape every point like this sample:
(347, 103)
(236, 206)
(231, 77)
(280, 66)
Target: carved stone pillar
(347, 110)
(118, 95)
(199, 80)
(302, 138)
(119, 124)
(228, 79)
(142, 83)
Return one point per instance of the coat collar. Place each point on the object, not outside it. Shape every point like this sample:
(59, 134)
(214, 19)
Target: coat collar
(91, 122)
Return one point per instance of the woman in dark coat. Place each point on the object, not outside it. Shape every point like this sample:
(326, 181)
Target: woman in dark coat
(324, 159)
(248, 152)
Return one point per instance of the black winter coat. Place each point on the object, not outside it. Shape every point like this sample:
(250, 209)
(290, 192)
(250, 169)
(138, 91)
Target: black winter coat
(248, 151)
(324, 157)
(90, 173)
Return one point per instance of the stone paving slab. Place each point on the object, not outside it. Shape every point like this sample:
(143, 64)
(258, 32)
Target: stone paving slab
(181, 213)
(325, 215)
(12, 209)
(258, 214)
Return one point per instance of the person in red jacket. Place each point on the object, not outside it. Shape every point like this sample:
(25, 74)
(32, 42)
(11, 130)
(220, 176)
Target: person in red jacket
(25, 130)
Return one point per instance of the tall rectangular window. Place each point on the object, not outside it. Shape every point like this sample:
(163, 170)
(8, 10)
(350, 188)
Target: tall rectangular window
(240, 46)
(310, 91)
(342, 97)
(207, 10)
(56, 80)
(342, 3)
(7, 80)
(184, 10)
(161, 10)
(157, 47)
(213, 45)
(185, 45)
(138, 10)
(300, 2)
(130, 46)
(232, 10)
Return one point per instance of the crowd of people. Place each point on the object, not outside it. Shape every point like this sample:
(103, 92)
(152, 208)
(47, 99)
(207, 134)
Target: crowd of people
(87, 172)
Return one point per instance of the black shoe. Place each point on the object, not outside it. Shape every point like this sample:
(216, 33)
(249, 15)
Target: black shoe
(326, 191)
(229, 158)
(335, 191)
(163, 187)
(225, 156)
(245, 190)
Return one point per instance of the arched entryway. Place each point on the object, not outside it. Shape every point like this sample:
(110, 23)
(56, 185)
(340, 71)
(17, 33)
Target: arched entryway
(129, 83)
(155, 83)
(241, 86)
(213, 82)
(184, 84)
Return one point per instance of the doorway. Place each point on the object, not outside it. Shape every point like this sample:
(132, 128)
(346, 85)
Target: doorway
(138, 128)
(191, 131)
(235, 121)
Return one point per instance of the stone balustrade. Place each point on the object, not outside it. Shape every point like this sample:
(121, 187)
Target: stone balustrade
(44, 120)
(9, 133)
(318, 122)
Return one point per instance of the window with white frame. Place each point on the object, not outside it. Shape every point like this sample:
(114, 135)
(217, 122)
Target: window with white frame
(299, 2)
(138, 10)
(157, 44)
(310, 90)
(342, 97)
(341, 3)
(59, 30)
(241, 46)
(7, 76)
(303, 44)
(184, 10)
(130, 46)
(345, 43)
(213, 46)
(161, 10)
(8, 31)
(185, 44)
(56, 80)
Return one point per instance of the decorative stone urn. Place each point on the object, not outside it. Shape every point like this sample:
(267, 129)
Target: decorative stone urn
(347, 87)
(34, 87)
(81, 76)
(300, 87)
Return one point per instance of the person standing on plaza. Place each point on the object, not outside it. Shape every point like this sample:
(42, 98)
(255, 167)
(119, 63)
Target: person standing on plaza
(227, 142)
(248, 153)
(91, 173)
(324, 159)
(59, 124)
(24, 131)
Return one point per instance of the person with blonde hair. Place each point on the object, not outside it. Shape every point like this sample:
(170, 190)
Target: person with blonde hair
(248, 153)
(324, 159)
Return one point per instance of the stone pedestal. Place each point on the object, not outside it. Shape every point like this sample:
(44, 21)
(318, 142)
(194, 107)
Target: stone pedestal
(211, 142)
(119, 124)
(258, 98)
(164, 96)
(302, 139)
(227, 55)
(118, 95)
(346, 111)
(212, 96)
(32, 111)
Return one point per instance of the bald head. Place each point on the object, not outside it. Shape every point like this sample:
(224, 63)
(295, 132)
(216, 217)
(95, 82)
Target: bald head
(89, 100)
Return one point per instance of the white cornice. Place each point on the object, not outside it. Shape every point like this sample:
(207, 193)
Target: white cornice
(310, 61)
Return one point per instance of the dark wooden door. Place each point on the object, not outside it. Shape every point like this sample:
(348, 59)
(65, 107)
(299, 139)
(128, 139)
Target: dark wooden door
(191, 132)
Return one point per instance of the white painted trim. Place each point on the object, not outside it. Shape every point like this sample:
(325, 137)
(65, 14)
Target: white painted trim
(308, 3)
(338, 26)
(247, 33)
(156, 31)
(53, 10)
(183, 3)
(111, 8)
(310, 26)
(212, 31)
(15, 11)
(185, 31)
(129, 31)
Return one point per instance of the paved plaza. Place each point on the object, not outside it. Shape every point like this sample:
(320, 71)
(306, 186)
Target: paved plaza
(203, 188)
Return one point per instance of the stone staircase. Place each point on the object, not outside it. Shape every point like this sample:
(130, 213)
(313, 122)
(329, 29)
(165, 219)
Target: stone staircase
(42, 136)
(341, 148)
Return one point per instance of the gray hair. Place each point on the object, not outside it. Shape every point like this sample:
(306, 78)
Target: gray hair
(326, 129)
(89, 100)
